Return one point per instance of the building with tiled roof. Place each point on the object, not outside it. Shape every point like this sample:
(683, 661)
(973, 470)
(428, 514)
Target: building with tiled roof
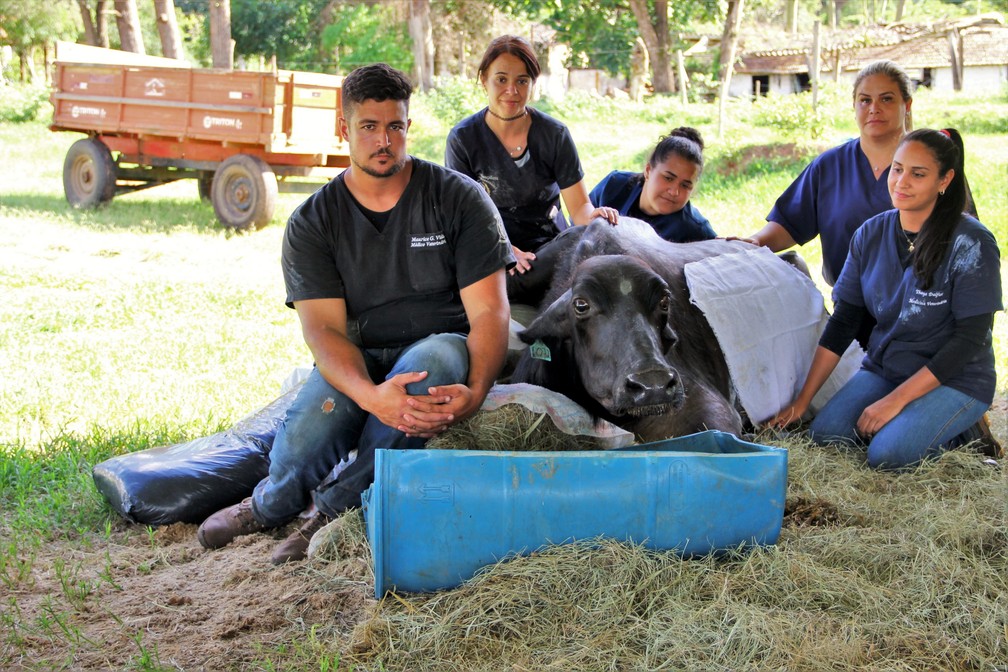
(969, 55)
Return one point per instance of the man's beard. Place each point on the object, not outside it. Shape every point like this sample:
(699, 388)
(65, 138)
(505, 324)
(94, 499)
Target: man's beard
(388, 172)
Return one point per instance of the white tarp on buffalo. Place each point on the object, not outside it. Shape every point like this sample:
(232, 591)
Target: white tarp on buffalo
(767, 317)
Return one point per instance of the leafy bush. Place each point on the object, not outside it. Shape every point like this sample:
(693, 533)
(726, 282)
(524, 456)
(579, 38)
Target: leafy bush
(22, 102)
(577, 104)
(794, 116)
(367, 33)
(703, 87)
(453, 98)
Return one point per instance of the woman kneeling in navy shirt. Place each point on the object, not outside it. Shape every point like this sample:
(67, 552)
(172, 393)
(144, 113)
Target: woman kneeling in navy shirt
(930, 276)
(661, 194)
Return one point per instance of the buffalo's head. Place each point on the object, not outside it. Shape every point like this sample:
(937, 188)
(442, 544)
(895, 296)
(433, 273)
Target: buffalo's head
(614, 324)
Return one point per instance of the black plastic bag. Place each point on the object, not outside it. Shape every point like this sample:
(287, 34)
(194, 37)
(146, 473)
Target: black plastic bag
(189, 481)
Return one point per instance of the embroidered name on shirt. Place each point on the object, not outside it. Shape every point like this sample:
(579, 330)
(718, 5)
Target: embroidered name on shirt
(922, 298)
(428, 240)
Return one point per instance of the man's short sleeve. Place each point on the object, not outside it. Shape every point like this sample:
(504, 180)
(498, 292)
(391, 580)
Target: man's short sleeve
(307, 257)
(481, 244)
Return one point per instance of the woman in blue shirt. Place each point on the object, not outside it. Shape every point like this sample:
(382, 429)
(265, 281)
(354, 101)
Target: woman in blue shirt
(845, 185)
(929, 275)
(660, 195)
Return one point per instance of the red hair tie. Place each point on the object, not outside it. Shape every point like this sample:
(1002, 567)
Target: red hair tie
(945, 132)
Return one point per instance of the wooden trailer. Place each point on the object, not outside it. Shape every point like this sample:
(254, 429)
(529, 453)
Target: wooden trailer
(243, 135)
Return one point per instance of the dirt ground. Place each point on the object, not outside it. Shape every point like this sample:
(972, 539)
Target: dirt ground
(161, 599)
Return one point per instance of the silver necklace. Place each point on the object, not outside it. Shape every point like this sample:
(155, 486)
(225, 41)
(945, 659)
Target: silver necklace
(910, 243)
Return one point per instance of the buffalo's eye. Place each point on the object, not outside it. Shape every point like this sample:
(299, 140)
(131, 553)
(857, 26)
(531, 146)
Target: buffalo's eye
(580, 306)
(665, 303)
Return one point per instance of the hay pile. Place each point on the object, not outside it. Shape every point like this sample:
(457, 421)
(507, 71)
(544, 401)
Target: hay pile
(872, 571)
(510, 427)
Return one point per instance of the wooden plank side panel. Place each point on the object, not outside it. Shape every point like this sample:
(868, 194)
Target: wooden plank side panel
(226, 126)
(157, 84)
(232, 87)
(140, 118)
(86, 115)
(89, 80)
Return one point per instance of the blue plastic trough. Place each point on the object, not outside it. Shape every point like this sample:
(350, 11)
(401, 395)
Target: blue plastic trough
(435, 517)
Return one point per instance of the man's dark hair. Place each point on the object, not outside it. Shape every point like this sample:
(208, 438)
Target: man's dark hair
(379, 82)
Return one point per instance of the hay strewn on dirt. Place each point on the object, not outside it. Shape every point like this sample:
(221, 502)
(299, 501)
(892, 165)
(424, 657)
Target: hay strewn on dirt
(872, 571)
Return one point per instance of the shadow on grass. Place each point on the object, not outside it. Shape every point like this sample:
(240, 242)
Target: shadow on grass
(129, 212)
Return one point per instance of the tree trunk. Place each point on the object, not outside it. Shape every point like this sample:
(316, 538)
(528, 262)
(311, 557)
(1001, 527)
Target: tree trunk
(683, 78)
(101, 23)
(95, 27)
(90, 33)
(830, 13)
(838, 7)
(900, 5)
(956, 58)
(791, 20)
(221, 47)
(729, 43)
(656, 37)
(423, 43)
(729, 39)
(640, 67)
(128, 21)
(171, 40)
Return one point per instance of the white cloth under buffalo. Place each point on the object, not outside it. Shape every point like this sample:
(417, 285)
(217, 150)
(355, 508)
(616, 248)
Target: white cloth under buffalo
(567, 416)
(767, 317)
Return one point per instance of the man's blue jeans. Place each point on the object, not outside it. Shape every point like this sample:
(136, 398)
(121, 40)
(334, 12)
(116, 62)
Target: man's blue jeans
(323, 425)
(923, 428)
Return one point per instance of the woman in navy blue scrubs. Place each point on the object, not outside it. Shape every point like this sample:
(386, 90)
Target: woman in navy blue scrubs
(660, 195)
(845, 185)
(929, 276)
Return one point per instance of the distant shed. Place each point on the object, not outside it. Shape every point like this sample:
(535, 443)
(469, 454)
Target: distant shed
(969, 55)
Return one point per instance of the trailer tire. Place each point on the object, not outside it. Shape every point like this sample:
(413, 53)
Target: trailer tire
(89, 174)
(244, 192)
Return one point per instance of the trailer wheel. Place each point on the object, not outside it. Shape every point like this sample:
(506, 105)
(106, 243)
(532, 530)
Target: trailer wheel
(89, 174)
(244, 192)
(204, 183)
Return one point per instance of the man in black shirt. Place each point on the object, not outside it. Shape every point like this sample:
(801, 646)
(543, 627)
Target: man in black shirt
(397, 272)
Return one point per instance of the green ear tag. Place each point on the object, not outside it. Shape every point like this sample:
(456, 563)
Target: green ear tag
(540, 350)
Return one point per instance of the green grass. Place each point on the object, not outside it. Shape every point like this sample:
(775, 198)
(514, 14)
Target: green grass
(144, 323)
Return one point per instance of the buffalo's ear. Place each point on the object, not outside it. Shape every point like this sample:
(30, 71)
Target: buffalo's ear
(552, 325)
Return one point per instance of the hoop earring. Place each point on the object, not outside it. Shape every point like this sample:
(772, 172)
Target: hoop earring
(941, 193)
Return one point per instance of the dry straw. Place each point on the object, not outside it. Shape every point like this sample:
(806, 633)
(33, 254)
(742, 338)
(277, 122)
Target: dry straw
(873, 570)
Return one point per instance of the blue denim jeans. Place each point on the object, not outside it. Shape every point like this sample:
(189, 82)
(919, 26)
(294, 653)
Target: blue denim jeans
(922, 429)
(323, 425)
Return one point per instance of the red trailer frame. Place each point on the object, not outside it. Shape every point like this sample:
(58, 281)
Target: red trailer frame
(243, 135)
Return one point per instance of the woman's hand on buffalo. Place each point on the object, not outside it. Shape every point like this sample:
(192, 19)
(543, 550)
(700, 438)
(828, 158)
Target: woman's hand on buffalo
(611, 215)
(524, 260)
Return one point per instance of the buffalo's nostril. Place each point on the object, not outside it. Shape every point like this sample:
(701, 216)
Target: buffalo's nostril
(651, 386)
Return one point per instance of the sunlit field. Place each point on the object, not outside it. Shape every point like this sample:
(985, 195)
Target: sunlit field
(144, 323)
